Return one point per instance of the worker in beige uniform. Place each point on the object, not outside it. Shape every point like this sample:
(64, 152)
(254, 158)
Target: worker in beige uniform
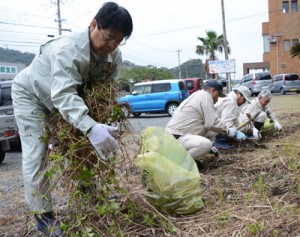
(195, 122)
(51, 82)
(259, 112)
(228, 110)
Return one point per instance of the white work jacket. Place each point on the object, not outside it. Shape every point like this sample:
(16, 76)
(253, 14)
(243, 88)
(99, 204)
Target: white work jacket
(228, 110)
(257, 112)
(60, 69)
(196, 115)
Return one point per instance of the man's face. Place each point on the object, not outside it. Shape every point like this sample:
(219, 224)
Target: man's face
(103, 41)
(214, 94)
(264, 102)
(240, 99)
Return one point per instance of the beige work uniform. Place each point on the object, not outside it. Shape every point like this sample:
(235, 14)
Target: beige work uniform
(52, 81)
(196, 121)
(257, 112)
(228, 110)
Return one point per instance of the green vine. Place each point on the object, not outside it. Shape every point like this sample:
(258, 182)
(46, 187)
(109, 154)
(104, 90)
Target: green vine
(96, 202)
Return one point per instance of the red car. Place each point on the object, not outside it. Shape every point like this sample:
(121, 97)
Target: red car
(193, 84)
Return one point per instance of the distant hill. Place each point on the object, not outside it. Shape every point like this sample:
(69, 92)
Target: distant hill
(15, 56)
(191, 68)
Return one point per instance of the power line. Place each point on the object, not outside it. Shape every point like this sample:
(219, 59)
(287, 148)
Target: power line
(19, 24)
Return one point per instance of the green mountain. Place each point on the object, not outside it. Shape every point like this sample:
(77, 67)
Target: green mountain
(191, 68)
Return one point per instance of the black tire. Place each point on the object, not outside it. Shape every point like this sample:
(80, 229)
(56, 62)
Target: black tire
(282, 91)
(2, 156)
(136, 114)
(125, 111)
(172, 108)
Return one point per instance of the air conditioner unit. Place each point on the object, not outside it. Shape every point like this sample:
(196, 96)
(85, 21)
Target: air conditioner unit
(273, 40)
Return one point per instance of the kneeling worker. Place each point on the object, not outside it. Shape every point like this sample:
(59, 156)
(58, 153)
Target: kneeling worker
(195, 122)
(259, 113)
(228, 110)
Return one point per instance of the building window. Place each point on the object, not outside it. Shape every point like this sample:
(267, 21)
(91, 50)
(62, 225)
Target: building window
(287, 45)
(266, 44)
(295, 42)
(294, 6)
(285, 7)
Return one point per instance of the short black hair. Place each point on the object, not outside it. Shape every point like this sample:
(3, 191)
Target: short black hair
(115, 17)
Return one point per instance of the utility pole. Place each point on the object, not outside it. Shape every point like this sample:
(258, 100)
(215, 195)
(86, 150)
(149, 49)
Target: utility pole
(179, 69)
(225, 46)
(58, 16)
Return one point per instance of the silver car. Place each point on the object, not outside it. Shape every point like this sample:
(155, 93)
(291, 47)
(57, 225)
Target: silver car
(256, 82)
(288, 82)
(8, 125)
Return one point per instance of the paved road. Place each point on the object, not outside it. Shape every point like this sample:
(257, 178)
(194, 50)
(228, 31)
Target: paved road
(148, 120)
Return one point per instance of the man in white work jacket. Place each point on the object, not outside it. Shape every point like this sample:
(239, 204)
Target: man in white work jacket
(228, 110)
(195, 122)
(259, 113)
(51, 82)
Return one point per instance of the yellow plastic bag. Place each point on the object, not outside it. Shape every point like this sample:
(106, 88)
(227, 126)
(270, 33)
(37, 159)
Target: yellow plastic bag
(269, 128)
(169, 173)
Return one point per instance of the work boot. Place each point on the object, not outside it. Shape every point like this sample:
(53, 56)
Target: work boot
(48, 224)
(214, 151)
(200, 164)
(258, 125)
(221, 143)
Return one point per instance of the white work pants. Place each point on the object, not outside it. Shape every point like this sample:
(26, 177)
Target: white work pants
(197, 146)
(29, 113)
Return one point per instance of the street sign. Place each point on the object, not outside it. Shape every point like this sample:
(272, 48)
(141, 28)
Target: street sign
(222, 66)
(9, 70)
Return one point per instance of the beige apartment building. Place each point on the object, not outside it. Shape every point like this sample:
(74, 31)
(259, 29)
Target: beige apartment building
(279, 35)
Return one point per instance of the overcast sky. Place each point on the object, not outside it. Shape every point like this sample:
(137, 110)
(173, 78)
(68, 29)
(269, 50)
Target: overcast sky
(162, 28)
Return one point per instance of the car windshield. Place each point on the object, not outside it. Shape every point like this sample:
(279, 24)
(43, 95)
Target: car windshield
(263, 76)
(291, 77)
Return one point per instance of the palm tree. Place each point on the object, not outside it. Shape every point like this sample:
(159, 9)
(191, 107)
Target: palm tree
(295, 51)
(210, 45)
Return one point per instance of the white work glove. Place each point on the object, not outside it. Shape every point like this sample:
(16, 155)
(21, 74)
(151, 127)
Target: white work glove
(240, 136)
(231, 131)
(256, 133)
(102, 140)
(277, 126)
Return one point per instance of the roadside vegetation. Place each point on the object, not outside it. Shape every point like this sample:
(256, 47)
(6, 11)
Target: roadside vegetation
(252, 190)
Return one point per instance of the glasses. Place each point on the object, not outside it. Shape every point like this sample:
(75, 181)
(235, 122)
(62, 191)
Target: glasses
(110, 39)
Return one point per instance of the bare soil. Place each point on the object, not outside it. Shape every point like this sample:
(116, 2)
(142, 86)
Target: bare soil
(252, 190)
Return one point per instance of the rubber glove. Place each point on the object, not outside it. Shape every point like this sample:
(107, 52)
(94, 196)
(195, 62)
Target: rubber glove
(256, 133)
(277, 126)
(240, 136)
(102, 140)
(231, 131)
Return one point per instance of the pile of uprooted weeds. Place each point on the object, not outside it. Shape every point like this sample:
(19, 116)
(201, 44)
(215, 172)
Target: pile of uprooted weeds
(95, 197)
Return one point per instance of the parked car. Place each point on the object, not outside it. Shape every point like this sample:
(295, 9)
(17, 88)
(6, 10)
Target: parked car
(8, 126)
(153, 96)
(289, 82)
(257, 81)
(193, 84)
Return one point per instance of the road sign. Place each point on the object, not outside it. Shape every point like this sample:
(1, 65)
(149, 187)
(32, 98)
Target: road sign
(222, 66)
